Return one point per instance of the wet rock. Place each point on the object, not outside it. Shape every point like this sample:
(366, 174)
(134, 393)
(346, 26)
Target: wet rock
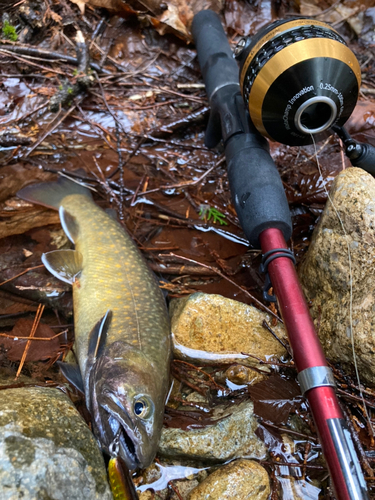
(46, 449)
(184, 488)
(325, 272)
(158, 477)
(239, 479)
(212, 328)
(239, 375)
(233, 436)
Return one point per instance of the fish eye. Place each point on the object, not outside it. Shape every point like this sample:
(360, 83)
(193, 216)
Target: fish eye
(142, 408)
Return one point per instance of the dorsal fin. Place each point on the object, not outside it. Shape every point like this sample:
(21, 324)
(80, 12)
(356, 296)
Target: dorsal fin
(64, 264)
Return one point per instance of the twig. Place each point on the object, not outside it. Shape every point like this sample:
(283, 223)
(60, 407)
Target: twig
(308, 466)
(185, 184)
(345, 18)
(272, 363)
(27, 61)
(357, 443)
(32, 333)
(53, 56)
(201, 371)
(182, 122)
(20, 274)
(54, 127)
(38, 108)
(31, 337)
(200, 100)
(267, 327)
(175, 490)
(190, 85)
(232, 282)
(356, 398)
(289, 431)
(305, 457)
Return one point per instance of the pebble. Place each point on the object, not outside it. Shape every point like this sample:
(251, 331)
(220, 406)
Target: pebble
(212, 328)
(237, 480)
(233, 436)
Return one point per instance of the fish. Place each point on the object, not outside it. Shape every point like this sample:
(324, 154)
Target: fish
(121, 323)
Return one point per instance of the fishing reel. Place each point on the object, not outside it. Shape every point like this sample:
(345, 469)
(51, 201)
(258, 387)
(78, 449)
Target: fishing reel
(298, 79)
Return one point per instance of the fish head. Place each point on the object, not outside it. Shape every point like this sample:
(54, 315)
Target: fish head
(127, 397)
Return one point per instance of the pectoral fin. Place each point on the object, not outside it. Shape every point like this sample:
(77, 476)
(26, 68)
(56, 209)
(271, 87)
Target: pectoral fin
(64, 264)
(69, 224)
(72, 373)
(98, 337)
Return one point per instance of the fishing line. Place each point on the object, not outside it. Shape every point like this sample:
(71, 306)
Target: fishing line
(350, 287)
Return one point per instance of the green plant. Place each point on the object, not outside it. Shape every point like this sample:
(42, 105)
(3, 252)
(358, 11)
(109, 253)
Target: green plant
(206, 212)
(9, 31)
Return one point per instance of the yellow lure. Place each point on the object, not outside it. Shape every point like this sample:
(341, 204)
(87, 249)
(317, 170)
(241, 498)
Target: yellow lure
(119, 479)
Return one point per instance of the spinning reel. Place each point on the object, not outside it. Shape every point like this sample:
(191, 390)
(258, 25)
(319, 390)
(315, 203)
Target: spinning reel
(298, 78)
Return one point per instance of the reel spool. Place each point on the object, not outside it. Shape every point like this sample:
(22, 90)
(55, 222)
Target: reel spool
(298, 77)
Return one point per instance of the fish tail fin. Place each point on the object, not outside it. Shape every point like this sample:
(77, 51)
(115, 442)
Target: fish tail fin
(50, 194)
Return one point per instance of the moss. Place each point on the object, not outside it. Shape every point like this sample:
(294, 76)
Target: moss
(9, 32)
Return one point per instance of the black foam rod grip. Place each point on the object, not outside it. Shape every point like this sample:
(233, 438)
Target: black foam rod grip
(215, 56)
(366, 160)
(257, 191)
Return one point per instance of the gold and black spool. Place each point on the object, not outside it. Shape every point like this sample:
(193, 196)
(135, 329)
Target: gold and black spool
(298, 78)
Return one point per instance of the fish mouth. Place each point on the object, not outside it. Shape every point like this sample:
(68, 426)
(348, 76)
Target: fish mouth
(122, 432)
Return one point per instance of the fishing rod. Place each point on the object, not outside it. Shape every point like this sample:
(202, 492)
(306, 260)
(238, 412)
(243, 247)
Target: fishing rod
(296, 80)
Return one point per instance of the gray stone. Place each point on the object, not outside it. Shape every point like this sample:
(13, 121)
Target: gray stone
(325, 272)
(231, 437)
(238, 480)
(47, 452)
(212, 328)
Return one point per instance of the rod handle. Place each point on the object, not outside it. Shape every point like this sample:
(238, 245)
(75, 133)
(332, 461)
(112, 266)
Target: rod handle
(215, 56)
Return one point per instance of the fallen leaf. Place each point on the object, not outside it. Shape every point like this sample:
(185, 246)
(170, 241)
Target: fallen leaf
(172, 16)
(274, 398)
(114, 5)
(246, 19)
(186, 420)
(38, 350)
(81, 4)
